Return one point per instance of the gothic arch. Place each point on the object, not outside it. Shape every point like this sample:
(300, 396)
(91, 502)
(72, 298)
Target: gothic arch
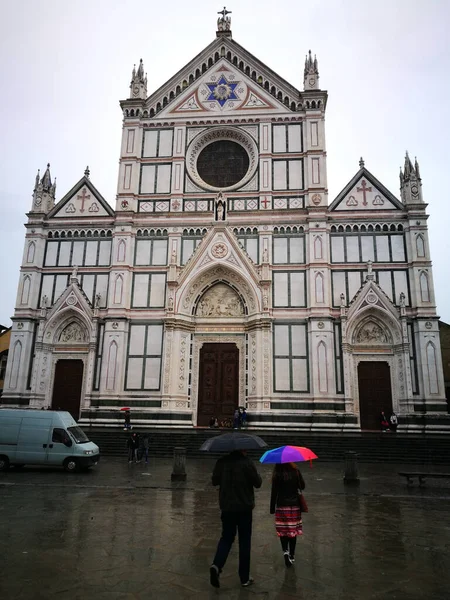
(220, 299)
(192, 290)
(432, 368)
(15, 364)
(30, 252)
(62, 319)
(25, 290)
(371, 330)
(420, 245)
(424, 287)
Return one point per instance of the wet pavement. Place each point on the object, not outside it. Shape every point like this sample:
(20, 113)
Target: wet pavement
(125, 532)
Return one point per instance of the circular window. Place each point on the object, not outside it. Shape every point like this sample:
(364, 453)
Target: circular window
(222, 159)
(223, 163)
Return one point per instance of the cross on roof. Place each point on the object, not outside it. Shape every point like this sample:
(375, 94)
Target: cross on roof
(224, 12)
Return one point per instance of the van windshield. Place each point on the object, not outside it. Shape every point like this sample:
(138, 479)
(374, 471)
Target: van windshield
(78, 435)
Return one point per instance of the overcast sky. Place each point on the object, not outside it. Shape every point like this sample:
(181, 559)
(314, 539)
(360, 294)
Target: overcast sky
(65, 66)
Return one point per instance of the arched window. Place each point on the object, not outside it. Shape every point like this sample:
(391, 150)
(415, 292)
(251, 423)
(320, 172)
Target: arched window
(432, 369)
(322, 366)
(25, 290)
(30, 252)
(424, 287)
(111, 368)
(121, 251)
(319, 288)
(318, 247)
(420, 246)
(118, 289)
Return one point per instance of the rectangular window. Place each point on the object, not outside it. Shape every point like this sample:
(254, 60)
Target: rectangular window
(337, 249)
(367, 251)
(93, 284)
(352, 243)
(144, 358)
(155, 179)
(289, 289)
(397, 248)
(149, 290)
(287, 174)
(188, 246)
(91, 254)
(401, 286)
(52, 287)
(290, 344)
(251, 246)
(64, 254)
(288, 249)
(151, 251)
(279, 138)
(51, 254)
(385, 282)
(347, 283)
(382, 246)
(294, 138)
(158, 142)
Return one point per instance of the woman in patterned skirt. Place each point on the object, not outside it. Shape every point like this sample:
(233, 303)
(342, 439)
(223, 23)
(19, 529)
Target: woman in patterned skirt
(284, 503)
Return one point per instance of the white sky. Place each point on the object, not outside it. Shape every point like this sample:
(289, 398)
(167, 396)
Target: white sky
(65, 65)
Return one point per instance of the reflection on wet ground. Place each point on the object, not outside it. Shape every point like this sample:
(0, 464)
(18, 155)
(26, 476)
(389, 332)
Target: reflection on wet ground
(126, 532)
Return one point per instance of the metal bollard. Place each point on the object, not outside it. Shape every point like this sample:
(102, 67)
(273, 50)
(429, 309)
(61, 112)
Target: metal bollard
(351, 467)
(179, 464)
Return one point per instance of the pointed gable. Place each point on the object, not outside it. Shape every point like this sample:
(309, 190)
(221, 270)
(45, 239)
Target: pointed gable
(83, 200)
(365, 193)
(223, 89)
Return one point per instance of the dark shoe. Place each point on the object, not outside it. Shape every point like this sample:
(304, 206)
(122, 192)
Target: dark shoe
(214, 576)
(250, 581)
(287, 560)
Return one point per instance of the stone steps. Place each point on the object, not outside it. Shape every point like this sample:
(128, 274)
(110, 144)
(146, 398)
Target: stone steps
(370, 447)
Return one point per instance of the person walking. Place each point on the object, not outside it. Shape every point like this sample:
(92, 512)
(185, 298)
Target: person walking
(285, 504)
(236, 476)
(127, 420)
(384, 422)
(132, 445)
(236, 419)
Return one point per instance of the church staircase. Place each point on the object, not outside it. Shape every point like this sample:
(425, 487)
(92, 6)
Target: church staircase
(370, 446)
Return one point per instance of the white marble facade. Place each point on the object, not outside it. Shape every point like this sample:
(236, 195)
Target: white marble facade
(193, 255)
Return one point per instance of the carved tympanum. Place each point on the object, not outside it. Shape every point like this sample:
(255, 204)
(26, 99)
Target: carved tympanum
(371, 332)
(220, 301)
(72, 333)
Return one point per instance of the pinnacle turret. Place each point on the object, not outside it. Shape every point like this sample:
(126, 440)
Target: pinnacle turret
(311, 73)
(138, 85)
(44, 192)
(410, 182)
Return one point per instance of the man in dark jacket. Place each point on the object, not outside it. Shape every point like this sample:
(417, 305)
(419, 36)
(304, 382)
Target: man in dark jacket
(237, 477)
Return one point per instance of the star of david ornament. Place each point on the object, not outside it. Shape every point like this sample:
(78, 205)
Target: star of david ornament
(222, 90)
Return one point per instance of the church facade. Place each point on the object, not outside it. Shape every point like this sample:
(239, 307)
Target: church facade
(224, 277)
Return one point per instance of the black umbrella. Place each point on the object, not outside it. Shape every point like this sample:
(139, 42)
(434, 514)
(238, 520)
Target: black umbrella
(227, 442)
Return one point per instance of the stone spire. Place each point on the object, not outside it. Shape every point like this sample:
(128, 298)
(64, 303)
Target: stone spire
(311, 73)
(138, 85)
(224, 23)
(410, 182)
(44, 192)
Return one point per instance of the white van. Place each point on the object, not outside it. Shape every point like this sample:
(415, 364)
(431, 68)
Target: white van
(44, 437)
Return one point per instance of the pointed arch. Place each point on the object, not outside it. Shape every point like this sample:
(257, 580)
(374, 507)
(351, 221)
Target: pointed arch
(420, 245)
(319, 288)
(322, 366)
(118, 289)
(15, 364)
(424, 287)
(30, 252)
(121, 249)
(25, 290)
(432, 369)
(318, 249)
(111, 366)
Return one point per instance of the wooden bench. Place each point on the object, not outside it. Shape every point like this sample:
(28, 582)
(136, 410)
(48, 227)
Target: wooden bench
(422, 477)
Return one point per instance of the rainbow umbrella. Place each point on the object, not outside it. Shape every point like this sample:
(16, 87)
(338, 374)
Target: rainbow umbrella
(286, 454)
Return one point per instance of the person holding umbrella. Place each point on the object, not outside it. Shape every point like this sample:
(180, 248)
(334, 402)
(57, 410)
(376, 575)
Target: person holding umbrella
(236, 476)
(287, 484)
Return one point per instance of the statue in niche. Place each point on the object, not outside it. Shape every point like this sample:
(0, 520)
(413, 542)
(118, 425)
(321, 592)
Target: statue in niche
(72, 333)
(220, 301)
(371, 332)
(220, 207)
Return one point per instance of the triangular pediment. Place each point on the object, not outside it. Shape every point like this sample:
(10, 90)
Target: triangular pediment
(72, 297)
(260, 84)
(219, 247)
(371, 295)
(83, 200)
(222, 90)
(365, 193)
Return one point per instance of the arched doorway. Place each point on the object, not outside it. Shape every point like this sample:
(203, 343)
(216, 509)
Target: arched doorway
(375, 393)
(67, 386)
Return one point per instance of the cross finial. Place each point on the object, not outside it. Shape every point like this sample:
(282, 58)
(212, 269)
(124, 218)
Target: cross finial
(224, 12)
(361, 162)
(87, 172)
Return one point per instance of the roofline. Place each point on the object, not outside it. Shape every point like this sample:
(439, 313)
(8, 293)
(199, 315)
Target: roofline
(83, 181)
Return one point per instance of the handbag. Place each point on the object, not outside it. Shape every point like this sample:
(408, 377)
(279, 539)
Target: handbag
(303, 505)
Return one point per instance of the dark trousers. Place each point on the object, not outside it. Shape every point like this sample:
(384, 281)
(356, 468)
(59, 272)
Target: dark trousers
(288, 544)
(242, 522)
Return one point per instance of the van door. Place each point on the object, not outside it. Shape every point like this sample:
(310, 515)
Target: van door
(33, 441)
(59, 447)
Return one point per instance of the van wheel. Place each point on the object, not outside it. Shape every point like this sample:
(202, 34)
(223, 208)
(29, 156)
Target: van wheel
(70, 465)
(4, 463)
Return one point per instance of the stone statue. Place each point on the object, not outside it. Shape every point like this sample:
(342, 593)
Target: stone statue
(342, 299)
(170, 303)
(265, 256)
(402, 300)
(97, 300)
(224, 22)
(74, 273)
(220, 207)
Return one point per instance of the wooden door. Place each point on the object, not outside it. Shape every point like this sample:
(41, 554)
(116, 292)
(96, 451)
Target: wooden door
(375, 395)
(218, 384)
(67, 386)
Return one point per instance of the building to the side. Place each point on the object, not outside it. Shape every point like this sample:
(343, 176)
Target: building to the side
(224, 277)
